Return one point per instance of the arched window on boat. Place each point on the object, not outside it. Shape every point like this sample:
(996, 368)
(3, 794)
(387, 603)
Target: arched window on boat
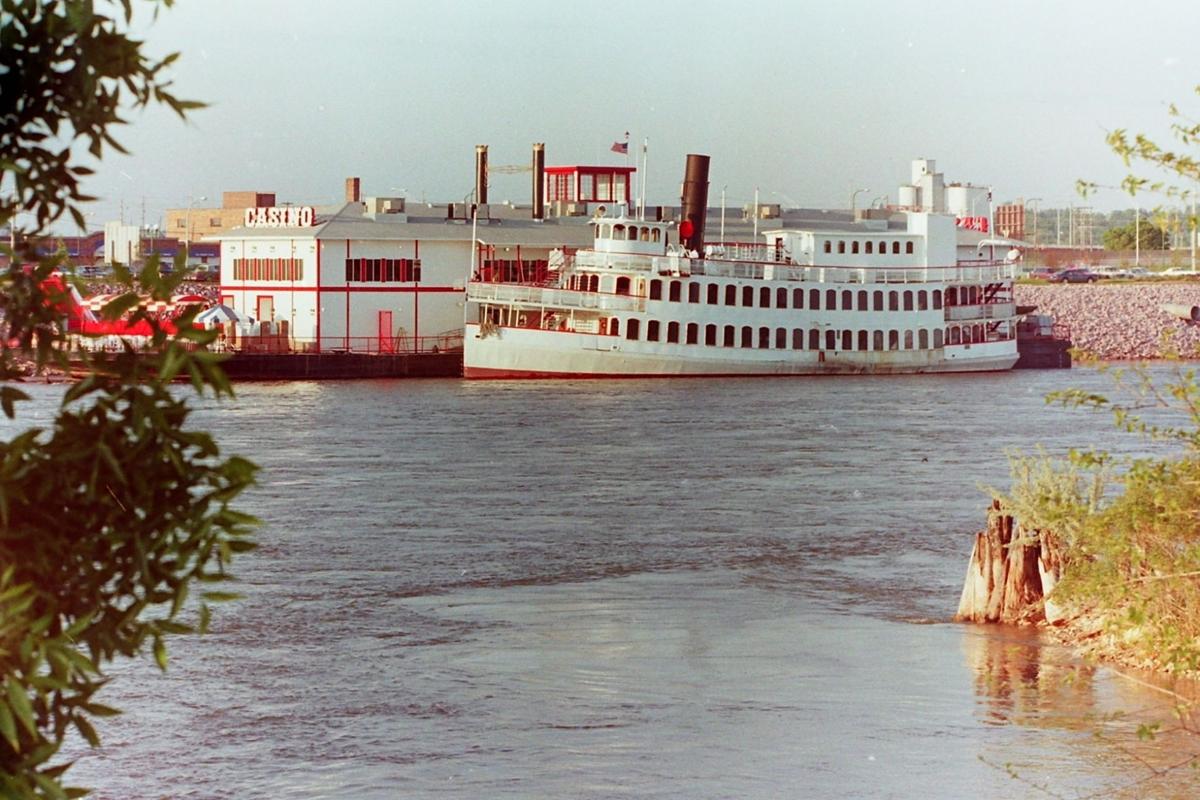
(594, 283)
(614, 327)
(655, 235)
(781, 338)
(922, 339)
(656, 289)
(831, 340)
(731, 295)
(896, 248)
(693, 293)
(847, 340)
(748, 296)
(693, 333)
(622, 285)
(847, 300)
(828, 246)
(712, 294)
(730, 334)
(908, 248)
(908, 340)
(862, 299)
(797, 298)
(814, 300)
(877, 298)
(937, 299)
(842, 247)
(831, 299)
(977, 334)
(922, 300)
(747, 336)
(814, 339)
(908, 300)
(877, 340)
(710, 335)
(893, 300)
(952, 296)
(854, 246)
(893, 340)
(633, 329)
(862, 340)
(618, 232)
(764, 338)
(870, 247)
(955, 335)
(797, 338)
(652, 330)
(937, 338)
(673, 332)
(781, 298)
(764, 297)
(674, 292)
(882, 248)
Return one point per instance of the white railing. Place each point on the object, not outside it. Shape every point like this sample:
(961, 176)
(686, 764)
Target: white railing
(965, 272)
(983, 311)
(556, 298)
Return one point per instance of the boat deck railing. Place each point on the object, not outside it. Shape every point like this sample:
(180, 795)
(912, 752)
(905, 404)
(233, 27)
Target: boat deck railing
(564, 298)
(684, 266)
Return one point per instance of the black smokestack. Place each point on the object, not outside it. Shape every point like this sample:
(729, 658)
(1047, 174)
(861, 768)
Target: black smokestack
(539, 180)
(694, 202)
(481, 173)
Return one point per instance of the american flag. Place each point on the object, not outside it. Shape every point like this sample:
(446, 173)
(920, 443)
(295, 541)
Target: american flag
(621, 147)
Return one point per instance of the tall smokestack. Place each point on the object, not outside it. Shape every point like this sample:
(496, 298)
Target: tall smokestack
(352, 190)
(539, 180)
(694, 202)
(481, 173)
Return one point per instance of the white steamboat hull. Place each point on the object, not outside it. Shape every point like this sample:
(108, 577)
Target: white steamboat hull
(508, 352)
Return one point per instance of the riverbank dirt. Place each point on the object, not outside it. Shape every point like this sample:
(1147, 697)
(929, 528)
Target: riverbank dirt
(1118, 322)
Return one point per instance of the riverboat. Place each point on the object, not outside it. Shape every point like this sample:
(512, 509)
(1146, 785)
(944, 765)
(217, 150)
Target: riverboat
(651, 298)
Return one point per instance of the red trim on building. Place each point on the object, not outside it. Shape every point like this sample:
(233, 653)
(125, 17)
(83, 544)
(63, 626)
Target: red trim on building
(318, 299)
(351, 289)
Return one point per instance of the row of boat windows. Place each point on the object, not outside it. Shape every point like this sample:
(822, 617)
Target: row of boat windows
(782, 297)
(868, 247)
(765, 338)
(815, 299)
(631, 233)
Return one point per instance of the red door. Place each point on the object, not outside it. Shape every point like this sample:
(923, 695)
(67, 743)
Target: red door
(387, 344)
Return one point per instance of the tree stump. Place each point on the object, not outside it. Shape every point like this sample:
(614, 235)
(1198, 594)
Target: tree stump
(1010, 574)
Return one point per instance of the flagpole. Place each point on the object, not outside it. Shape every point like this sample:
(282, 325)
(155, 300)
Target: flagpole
(645, 156)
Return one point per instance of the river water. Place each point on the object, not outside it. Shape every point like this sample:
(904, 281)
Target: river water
(684, 588)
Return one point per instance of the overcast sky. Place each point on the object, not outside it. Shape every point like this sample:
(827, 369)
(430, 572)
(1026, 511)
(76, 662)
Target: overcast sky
(806, 101)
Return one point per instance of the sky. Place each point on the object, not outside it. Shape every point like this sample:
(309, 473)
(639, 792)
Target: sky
(804, 102)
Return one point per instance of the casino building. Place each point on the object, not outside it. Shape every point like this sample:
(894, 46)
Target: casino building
(380, 274)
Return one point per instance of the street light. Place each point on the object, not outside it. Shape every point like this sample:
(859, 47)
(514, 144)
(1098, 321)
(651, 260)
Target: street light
(187, 225)
(853, 197)
(1035, 201)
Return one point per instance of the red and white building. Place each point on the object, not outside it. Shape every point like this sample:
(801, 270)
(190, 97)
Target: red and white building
(381, 274)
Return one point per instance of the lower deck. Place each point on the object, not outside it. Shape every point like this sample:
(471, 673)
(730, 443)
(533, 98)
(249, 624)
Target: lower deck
(496, 351)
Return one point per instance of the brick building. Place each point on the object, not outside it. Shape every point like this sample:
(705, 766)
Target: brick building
(190, 225)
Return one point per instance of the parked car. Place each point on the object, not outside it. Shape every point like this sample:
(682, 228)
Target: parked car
(1074, 275)
(1042, 274)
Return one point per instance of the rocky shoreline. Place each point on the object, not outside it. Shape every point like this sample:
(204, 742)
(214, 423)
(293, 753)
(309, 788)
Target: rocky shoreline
(1119, 322)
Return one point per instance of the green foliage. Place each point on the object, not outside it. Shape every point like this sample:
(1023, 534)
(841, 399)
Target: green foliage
(112, 514)
(1131, 556)
(1126, 237)
(1180, 170)
(68, 70)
